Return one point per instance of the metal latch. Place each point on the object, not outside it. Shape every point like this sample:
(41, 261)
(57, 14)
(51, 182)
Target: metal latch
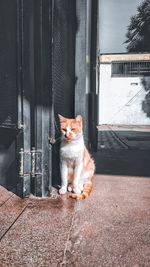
(52, 140)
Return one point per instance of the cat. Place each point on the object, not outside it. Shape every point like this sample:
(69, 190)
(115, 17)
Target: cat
(76, 165)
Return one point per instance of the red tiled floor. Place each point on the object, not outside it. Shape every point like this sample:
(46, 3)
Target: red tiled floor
(111, 228)
(4, 195)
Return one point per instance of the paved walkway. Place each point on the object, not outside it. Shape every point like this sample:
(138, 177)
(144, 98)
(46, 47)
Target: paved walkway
(123, 127)
(124, 137)
(111, 228)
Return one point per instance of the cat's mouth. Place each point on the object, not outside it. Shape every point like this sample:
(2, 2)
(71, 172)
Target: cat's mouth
(68, 139)
(71, 138)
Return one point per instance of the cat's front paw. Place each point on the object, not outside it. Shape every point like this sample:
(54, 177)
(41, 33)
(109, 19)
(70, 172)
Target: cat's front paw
(62, 190)
(69, 188)
(77, 190)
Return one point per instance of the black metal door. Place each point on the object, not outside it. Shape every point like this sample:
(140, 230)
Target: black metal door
(8, 94)
(25, 95)
(35, 90)
(16, 83)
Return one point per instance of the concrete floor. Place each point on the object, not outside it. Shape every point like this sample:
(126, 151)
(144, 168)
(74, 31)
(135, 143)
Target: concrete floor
(111, 228)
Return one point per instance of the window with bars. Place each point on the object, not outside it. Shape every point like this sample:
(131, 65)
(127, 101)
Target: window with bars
(136, 68)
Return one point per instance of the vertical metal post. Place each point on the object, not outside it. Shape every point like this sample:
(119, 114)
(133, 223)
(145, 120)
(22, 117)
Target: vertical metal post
(33, 170)
(88, 45)
(81, 95)
(43, 84)
(86, 97)
(25, 83)
(93, 96)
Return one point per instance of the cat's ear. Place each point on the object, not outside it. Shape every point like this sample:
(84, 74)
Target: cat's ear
(61, 118)
(78, 118)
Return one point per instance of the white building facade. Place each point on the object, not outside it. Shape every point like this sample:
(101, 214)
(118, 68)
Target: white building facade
(123, 89)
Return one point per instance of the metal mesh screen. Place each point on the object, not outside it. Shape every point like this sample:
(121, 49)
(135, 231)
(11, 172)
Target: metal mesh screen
(64, 56)
(63, 74)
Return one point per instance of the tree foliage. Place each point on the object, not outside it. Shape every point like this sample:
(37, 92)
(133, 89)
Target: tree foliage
(138, 32)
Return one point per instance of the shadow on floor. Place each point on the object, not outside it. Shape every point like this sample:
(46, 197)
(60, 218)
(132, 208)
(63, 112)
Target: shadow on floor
(122, 162)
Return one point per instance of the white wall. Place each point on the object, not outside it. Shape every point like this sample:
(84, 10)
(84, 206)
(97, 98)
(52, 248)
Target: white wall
(120, 99)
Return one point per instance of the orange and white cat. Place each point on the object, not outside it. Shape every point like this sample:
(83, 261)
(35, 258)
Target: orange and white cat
(76, 165)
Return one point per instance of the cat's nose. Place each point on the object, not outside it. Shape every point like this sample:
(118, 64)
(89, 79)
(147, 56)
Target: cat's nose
(65, 135)
(68, 136)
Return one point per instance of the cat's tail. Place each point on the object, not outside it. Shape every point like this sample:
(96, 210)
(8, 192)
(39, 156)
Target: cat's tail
(85, 193)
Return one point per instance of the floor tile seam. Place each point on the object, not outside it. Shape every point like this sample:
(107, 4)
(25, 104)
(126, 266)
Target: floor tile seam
(63, 263)
(6, 200)
(9, 228)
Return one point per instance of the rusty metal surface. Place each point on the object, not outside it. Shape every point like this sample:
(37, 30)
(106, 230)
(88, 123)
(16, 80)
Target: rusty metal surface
(111, 228)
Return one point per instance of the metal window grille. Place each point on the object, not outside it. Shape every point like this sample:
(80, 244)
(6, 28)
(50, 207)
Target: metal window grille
(138, 68)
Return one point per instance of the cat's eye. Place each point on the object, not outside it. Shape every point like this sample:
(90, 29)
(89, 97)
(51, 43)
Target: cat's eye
(64, 129)
(73, 129)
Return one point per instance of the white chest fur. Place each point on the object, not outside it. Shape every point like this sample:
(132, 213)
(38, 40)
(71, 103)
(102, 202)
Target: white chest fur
(72, 150)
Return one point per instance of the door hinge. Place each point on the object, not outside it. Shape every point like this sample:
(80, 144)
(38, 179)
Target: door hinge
(30, 162)
(36, 160)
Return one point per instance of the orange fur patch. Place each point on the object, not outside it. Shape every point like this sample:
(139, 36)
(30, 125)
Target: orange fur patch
(85, 194)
